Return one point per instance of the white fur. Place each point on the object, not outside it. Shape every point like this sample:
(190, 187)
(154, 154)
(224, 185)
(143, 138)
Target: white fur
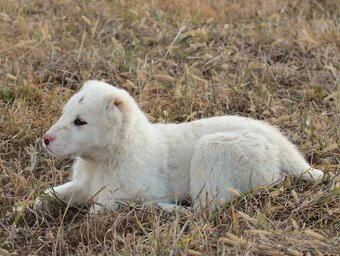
(120, 155)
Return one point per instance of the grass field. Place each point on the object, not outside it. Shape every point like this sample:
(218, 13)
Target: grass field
(276, 60)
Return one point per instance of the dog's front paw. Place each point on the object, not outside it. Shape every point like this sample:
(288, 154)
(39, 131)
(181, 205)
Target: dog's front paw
(46, 201)
(41, 204)
(96, 208)
(172, 208)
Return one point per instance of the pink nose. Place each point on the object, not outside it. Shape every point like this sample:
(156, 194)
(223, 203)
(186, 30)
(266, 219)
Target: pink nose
(48, 138)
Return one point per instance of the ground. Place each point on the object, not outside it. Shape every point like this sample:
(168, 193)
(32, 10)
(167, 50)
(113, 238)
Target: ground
(276, 60)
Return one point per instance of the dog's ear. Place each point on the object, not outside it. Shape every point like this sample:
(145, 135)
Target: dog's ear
(112, 103)
(121, 106)
(118, 103)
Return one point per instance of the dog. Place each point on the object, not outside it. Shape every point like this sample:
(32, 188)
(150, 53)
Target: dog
(120, 155)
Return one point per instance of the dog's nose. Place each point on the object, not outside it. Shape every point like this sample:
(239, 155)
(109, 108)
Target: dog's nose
(48, 138)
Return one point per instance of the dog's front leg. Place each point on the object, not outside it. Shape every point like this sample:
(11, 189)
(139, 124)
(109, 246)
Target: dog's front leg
(68, 193)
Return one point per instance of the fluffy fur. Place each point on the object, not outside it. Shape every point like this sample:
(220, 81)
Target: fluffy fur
(120, 155)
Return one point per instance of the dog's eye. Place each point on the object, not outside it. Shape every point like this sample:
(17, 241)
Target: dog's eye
(79, 122)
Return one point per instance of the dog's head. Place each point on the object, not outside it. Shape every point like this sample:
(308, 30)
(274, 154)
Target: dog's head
(91, 123)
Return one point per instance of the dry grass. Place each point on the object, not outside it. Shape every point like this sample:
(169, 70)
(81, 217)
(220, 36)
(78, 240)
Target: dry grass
(182, 60)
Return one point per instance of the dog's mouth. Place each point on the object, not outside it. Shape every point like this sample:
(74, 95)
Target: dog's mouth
(49, 151)
(69, 156)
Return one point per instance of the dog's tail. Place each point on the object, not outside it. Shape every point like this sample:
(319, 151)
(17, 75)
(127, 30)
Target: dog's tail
(294, 163)
(312, 174)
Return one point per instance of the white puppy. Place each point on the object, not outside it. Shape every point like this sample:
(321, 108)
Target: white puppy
(120, 155)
